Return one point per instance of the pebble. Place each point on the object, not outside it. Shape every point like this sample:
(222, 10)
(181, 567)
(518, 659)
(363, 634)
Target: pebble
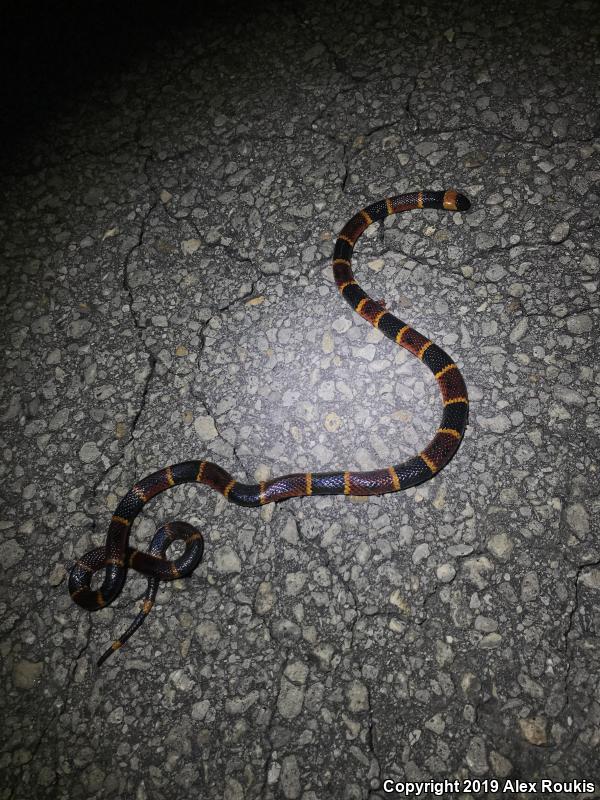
(284, 629)
(327, 343)
(500, 545)
(444, 654)
(501, 766)
(296, 672)
(490, 641)
(397, 599)
(530, 587)
(189, 246)
(290, 699)
(591, 264)
(367, 353)
(436, 724)
(262, 473)
(94, 779)
(358, 696)
(569, 396)
(57, 575)
(485, 241)
(341, 324)
(591, 578)
(26, 674)
(495, 273)
(89, 452)
(209, 634)
(289, 778)
(264, 599)
(233, 790)
(519, 330)
(445, 573)
(560, 128)
(332, 422)
(326, 391)
(578, 519)
(534, 730)
(42, 325)
(516, 289)
(200, 709)
(79, 328)
(227, 560)
(560, 232)
(498, 424)
(477, 569)
(580, 323)
(476, 756)
(11, 553)
(46, 776)
(205, 428)
(59, 420)
(324, 653)
(459, 550)
(240, 705)
(421, 551)
(439, 501)
(116, 716)
(294, 582)
(290, 531)
(270, 268)
(485, 624)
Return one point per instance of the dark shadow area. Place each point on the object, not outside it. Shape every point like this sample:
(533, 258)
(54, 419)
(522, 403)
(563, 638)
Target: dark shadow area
(52, 54)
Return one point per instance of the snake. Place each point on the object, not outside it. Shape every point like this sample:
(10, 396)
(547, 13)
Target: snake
(116, 557)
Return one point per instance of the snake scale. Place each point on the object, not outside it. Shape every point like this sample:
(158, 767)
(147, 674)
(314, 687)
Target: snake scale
(116, 556)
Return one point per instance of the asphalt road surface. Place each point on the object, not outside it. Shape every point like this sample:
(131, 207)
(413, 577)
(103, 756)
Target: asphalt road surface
(173, 183)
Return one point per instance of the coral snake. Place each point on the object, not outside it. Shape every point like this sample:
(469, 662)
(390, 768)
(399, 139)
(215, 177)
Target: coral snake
(116, 556)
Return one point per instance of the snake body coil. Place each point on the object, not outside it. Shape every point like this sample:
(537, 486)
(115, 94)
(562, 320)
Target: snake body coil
(116, 556)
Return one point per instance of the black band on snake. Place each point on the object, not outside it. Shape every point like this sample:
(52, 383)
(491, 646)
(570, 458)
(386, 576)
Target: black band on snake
(116, 557)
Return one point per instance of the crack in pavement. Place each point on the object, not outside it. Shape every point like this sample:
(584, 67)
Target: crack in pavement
(568, 648)
(61, 707)
(151, 358)
(375, 768)
(327, 561)
(263, 790)
(199, 394)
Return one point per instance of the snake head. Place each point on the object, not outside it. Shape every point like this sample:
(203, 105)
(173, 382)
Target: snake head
(454, 201)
